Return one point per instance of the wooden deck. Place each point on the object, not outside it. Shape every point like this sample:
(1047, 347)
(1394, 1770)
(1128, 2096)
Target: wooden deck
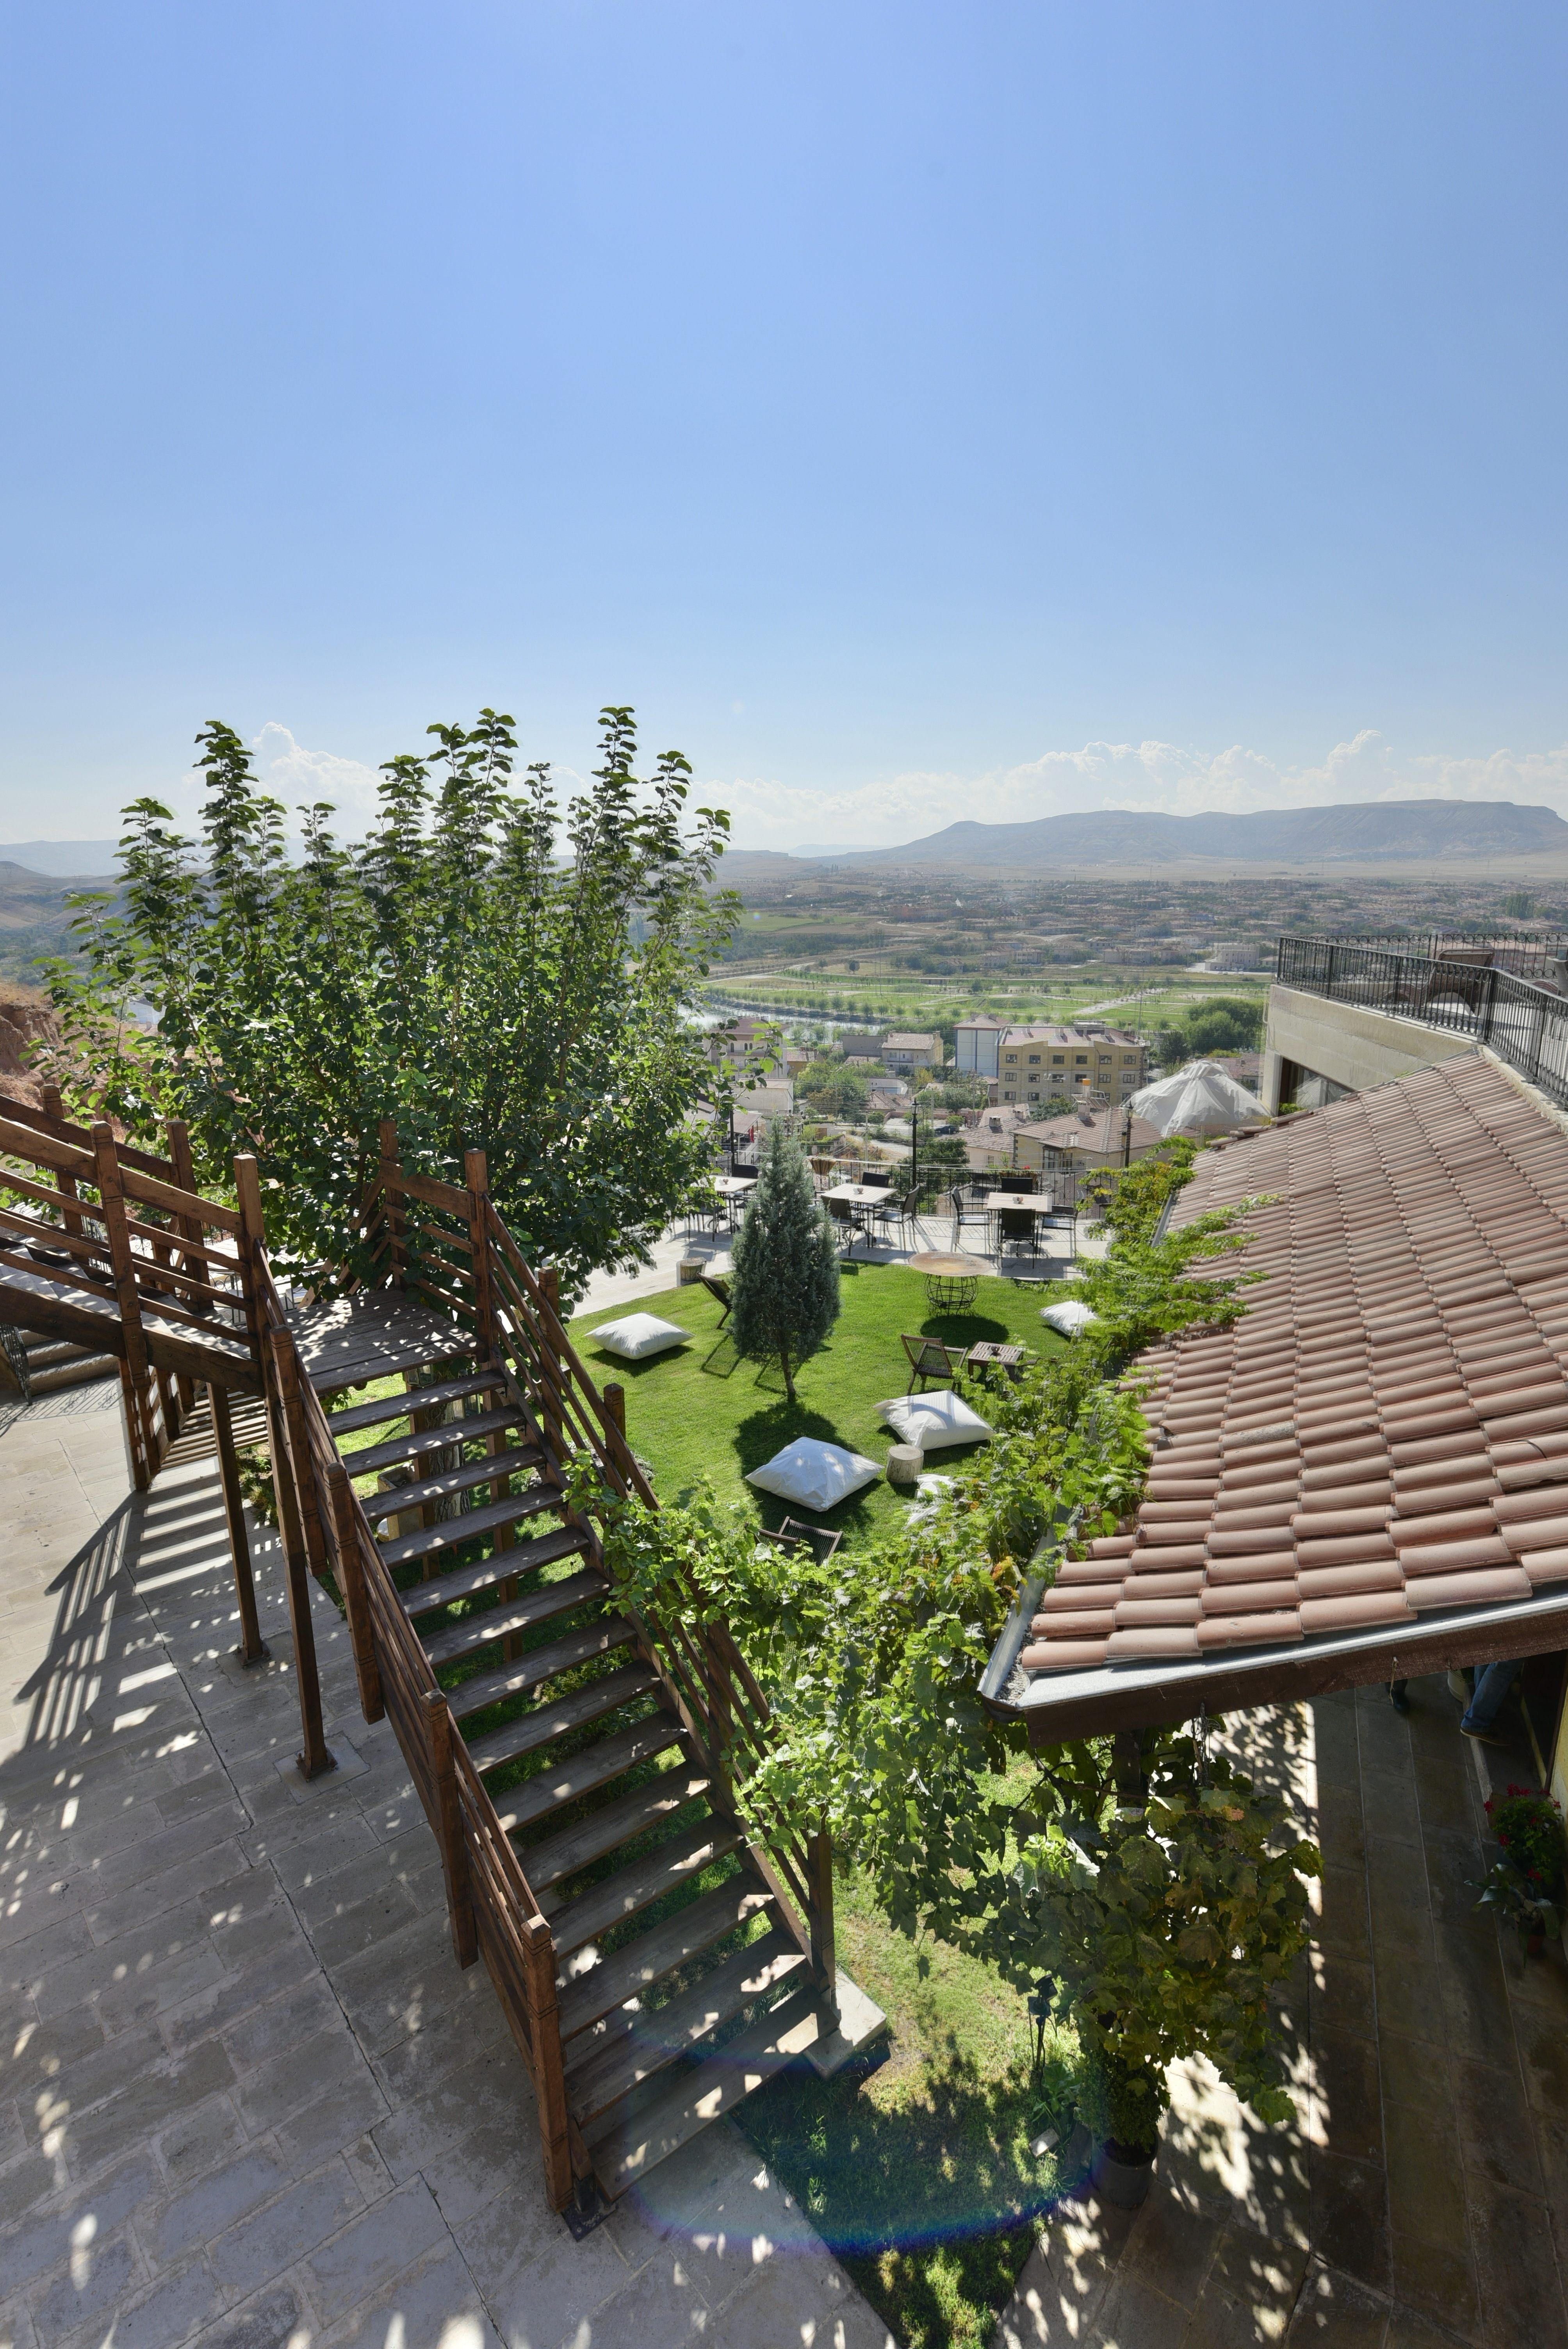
(373, 1334)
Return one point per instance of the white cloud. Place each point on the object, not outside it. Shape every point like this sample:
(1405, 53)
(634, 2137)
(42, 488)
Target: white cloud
(300, 777)
(1163, 777)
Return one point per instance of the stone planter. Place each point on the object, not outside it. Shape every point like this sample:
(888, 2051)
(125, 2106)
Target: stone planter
(905, 1463)
(1125, 2183)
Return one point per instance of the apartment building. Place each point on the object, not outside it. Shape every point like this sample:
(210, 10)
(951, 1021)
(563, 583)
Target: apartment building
(977, 1042)
(903, 1051)
(744, 1043)
(1043, 1063)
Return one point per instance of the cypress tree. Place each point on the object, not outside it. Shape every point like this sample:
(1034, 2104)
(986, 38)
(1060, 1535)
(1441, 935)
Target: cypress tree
(786, 1297)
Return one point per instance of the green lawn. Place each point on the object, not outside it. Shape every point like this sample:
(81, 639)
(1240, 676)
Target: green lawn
(703, 1412)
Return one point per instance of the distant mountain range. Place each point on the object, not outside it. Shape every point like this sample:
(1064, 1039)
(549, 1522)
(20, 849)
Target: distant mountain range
(66, 857)
(1402, 830)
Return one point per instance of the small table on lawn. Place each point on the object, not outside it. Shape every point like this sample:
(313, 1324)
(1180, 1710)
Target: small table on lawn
(863, 1196)
(952, 1281)
(1008, 1358)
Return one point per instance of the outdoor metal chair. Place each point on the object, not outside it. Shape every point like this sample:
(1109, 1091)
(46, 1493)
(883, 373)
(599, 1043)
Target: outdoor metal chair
(795, 1534)
(897, 1210)
(929, 1357)
(718, 1284)
(1016, 1228)
(967, 1210)
(843, 1216)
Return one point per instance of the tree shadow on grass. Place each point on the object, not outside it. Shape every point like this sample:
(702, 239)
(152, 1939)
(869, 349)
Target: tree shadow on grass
(932, 2206)
(964, 1328)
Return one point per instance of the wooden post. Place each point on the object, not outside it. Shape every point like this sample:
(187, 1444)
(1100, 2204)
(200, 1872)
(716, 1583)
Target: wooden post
(286, 1368)
(252, 1239)
(190, 1228)
(449, 1823)
(65, 1183)
(549, 1281)
(824, 1950)
(252, 1649)
(135, 1378)
(476, 1176)
(548, 2069)
(316, 1756)
(391, 1195)
(356, 1598)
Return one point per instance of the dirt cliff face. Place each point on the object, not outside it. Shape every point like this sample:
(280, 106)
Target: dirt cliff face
(26, 1020)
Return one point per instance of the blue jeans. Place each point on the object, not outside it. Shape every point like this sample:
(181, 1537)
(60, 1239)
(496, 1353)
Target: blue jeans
(1486, 1698)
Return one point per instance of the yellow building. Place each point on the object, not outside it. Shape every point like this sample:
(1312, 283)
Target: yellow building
(1073, 1064)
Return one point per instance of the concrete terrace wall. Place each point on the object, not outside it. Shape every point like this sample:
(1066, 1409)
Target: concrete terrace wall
(1354, 1047)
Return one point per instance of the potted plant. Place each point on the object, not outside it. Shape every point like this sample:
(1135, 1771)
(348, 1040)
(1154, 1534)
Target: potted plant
(1525, 1885)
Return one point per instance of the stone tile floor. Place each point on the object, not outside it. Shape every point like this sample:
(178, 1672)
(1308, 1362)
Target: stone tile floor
(247, 2099)
(1422, 2198)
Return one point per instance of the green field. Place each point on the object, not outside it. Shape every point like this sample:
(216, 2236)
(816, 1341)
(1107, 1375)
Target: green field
(703, 1412)
(1135, 1000)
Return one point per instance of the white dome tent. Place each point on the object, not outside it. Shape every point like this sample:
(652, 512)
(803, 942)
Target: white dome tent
(1202, 1098)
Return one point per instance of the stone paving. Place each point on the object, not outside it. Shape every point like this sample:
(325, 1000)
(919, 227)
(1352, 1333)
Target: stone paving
(249, 2101)
(1422, 2198)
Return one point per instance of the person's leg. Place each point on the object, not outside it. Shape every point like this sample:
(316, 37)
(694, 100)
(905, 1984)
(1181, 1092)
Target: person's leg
(1396, 1697)
(1492, 1686)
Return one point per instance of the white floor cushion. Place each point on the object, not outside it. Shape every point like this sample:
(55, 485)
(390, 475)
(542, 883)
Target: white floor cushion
(1068, 1317)
(814, 1476)
(934, 1421)
(637, 1335)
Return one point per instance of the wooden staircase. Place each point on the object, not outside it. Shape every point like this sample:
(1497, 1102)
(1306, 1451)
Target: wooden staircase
(674, 1956)
(660, 1942)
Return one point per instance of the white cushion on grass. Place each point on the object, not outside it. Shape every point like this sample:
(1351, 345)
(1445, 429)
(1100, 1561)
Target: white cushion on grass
(1067, 1316)
(934, 1421)
(638, 1334)
(814, 1476)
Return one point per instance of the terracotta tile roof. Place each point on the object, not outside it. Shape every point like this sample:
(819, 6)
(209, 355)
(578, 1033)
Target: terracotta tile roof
(1383, 1434)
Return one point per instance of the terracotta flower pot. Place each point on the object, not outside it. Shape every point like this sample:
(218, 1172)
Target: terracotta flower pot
(1122, 2180)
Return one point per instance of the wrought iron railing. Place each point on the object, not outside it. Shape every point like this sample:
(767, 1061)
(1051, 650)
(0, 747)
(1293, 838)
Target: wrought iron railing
(1525, 1025)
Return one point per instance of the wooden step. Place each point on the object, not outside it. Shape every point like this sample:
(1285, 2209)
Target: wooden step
(628, 2150)
(637, 2042)
(57, 1376)
(386, 1407)
(560, 1855)
(451, 1533)
(592, 1986)
(490, 1573)
(541, 1665)
(445, 1487)
(547, 1721)
(439, 1438)
(515, 1615)
(565, 1781)
(638, 1885)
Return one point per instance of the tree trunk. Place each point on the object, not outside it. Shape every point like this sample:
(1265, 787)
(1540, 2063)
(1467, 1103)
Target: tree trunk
(789, 1374)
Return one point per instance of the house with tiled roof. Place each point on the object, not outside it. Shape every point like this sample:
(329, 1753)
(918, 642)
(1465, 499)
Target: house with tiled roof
(1367, 1476)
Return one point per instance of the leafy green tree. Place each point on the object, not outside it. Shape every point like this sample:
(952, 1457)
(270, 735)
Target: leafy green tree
(786, 1265)
(1225, 1023)
(832, 1090)
(454, 971)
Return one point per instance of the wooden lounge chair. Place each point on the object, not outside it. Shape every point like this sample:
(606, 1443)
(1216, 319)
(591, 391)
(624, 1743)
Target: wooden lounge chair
(795, 1534)
(929, 1357)
(718, 1284)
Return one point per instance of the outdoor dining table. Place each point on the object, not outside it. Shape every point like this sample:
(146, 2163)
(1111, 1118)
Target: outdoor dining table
(1036, 1203)
(861, 1196)
(952, 1279)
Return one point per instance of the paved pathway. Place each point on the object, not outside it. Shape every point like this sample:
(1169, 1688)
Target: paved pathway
(248, 2100)
(1422, 2198)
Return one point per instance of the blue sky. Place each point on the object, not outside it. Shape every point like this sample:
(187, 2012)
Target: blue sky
(915, 411)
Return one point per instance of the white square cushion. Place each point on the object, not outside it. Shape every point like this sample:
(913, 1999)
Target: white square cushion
(934, 1421)
(1067, 1316)
(638, 1334)
(814, 1476)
